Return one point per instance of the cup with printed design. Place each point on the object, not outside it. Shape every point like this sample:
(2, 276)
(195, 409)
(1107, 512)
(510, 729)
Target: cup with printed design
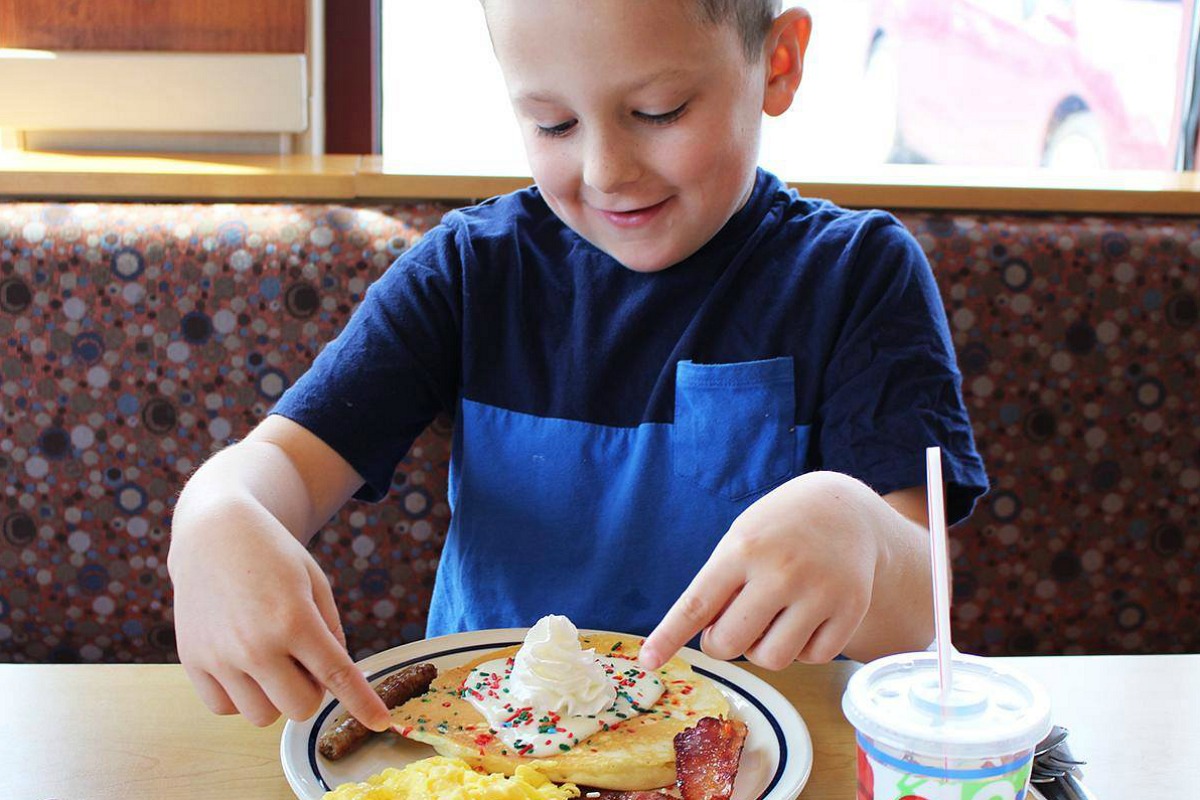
(918, 742)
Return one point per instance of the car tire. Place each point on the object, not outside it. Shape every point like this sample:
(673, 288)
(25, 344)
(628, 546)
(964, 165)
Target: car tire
(1076, 144)
(879, 134)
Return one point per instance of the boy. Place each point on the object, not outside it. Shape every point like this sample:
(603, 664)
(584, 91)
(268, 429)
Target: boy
(686, 400)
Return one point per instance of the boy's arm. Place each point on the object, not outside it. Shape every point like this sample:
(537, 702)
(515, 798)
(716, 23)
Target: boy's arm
(308, 486)
(257, 629)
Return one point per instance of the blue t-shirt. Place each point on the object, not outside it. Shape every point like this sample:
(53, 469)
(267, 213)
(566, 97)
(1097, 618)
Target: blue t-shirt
(609, 425)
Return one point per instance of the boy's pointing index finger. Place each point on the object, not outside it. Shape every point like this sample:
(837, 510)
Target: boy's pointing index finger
(331, 666)
(698, 607)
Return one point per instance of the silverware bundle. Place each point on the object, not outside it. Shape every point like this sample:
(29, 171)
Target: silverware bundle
(1056, 774)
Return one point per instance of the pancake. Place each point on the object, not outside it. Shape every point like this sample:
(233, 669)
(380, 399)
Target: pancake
(636, 754)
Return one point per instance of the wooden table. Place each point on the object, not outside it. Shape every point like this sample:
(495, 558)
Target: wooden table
(93, 732)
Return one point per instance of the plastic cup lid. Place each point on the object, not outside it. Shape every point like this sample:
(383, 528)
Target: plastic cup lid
(991, 710)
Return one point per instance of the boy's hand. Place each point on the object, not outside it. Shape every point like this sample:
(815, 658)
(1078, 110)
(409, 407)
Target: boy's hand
(794, 577)
(257, 629)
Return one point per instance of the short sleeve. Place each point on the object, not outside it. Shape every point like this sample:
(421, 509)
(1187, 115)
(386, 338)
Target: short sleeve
(892, 387)
(394, 367)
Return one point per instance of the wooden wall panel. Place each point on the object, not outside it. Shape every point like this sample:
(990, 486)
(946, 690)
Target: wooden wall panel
(220, 26)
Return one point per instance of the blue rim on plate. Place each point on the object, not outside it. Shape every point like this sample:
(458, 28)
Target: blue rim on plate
(786, 751)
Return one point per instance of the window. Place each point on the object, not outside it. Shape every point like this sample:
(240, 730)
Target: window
(1077, 85)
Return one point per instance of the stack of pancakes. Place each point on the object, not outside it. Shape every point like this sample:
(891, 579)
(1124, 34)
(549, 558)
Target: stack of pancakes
(636, 754)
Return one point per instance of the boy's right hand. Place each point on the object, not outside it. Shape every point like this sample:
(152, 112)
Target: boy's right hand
(256, 626)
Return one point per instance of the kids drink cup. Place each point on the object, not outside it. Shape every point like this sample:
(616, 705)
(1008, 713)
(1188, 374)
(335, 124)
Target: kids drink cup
(977, 745)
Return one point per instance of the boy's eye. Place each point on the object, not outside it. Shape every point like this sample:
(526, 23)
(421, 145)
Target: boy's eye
(563, 128)
(662, 119)
(560, 129)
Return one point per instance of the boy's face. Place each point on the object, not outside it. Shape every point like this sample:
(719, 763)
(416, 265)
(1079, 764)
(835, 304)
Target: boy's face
(641, 123)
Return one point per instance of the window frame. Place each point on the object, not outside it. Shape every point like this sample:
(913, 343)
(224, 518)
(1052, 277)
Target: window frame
(353, 111)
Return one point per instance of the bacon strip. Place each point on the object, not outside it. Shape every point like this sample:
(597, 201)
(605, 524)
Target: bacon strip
(345, 736)
(707, 757)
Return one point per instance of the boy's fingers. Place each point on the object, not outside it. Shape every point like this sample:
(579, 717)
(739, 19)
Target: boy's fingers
(827, 641)
(330, 664)
(698, 606)
(293, 691)
(785, 639)
(738, 627)
(250, 699)
(215, 698)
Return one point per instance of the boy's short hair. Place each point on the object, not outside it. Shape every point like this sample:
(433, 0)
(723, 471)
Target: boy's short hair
(752, 18)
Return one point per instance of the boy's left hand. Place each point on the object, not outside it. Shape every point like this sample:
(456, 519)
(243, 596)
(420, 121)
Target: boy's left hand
(792, 580)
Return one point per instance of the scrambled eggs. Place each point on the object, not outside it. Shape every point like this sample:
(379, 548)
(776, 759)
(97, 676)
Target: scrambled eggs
(440, 778)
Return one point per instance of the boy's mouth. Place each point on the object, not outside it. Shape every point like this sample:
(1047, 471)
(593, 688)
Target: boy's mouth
(635, 217)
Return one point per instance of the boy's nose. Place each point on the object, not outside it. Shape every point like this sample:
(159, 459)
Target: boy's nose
(610, 163)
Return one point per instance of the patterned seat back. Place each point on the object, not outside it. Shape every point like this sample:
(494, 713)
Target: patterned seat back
(141, 338)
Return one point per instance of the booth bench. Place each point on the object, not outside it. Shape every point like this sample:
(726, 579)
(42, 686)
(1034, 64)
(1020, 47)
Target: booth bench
(139, 338)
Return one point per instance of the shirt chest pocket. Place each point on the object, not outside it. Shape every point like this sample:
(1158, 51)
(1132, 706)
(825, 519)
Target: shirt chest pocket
(734, 425)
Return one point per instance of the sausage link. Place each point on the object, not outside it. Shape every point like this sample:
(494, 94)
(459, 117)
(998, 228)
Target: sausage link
(348, 733)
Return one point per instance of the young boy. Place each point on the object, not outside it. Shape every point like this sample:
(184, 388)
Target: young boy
(686, 400)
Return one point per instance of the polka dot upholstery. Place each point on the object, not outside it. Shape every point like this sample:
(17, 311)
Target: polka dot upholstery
(1077, 338)
(140, 338)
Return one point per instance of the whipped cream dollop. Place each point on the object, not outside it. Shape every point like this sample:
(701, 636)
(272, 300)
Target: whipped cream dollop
(552, 672)
(552, 694)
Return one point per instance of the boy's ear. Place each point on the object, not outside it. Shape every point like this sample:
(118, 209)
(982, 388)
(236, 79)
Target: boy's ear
(785, 47)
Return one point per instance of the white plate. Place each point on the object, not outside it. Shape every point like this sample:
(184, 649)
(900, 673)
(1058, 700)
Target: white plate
(776, 759)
